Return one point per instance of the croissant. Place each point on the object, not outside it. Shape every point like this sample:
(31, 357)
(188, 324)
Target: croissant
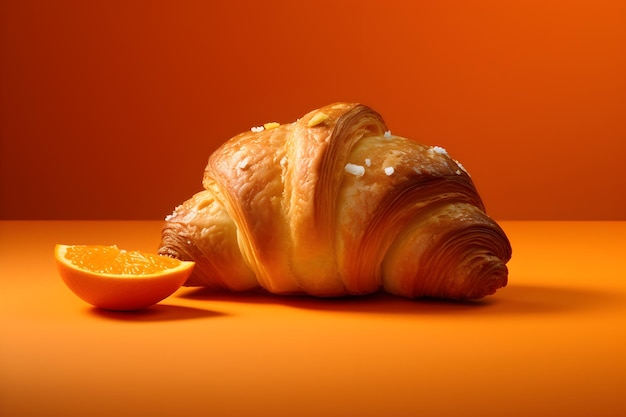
(334, 205)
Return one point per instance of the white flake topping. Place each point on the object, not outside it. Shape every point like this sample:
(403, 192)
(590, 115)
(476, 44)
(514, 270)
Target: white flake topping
(368, 162)
(389, 170)
(462, 167)
(257, 129)
(174, 213)
(356, 170)
(243, 164)
(439, 150)
(387, 134)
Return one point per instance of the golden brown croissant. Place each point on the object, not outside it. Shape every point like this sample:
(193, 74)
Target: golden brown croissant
(333, 204)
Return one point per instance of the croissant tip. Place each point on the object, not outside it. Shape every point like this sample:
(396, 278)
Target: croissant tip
(491, 286)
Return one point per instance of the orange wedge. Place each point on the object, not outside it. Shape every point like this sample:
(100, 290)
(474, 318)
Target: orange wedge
(115, 279)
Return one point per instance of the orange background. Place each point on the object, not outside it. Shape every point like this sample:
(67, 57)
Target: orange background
(109, 109)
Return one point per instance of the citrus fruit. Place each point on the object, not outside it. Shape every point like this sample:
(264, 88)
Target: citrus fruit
(115, 279)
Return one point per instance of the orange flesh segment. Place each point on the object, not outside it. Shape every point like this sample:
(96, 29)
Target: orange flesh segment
(111, 260)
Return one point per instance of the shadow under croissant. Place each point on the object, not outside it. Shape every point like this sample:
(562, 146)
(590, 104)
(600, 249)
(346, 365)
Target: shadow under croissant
(513, 299)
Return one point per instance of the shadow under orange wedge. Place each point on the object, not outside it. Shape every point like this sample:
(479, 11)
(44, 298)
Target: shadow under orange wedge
(115, 279)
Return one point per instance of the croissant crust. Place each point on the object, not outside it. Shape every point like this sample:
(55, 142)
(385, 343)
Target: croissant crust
(332, 205)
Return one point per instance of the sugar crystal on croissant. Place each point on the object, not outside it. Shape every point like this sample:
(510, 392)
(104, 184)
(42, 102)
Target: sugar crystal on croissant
(333, 205)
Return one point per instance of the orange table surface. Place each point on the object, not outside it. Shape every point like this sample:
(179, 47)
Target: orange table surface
(552, 343)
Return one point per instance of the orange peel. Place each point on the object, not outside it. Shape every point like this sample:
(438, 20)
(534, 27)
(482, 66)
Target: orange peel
(114, 279)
